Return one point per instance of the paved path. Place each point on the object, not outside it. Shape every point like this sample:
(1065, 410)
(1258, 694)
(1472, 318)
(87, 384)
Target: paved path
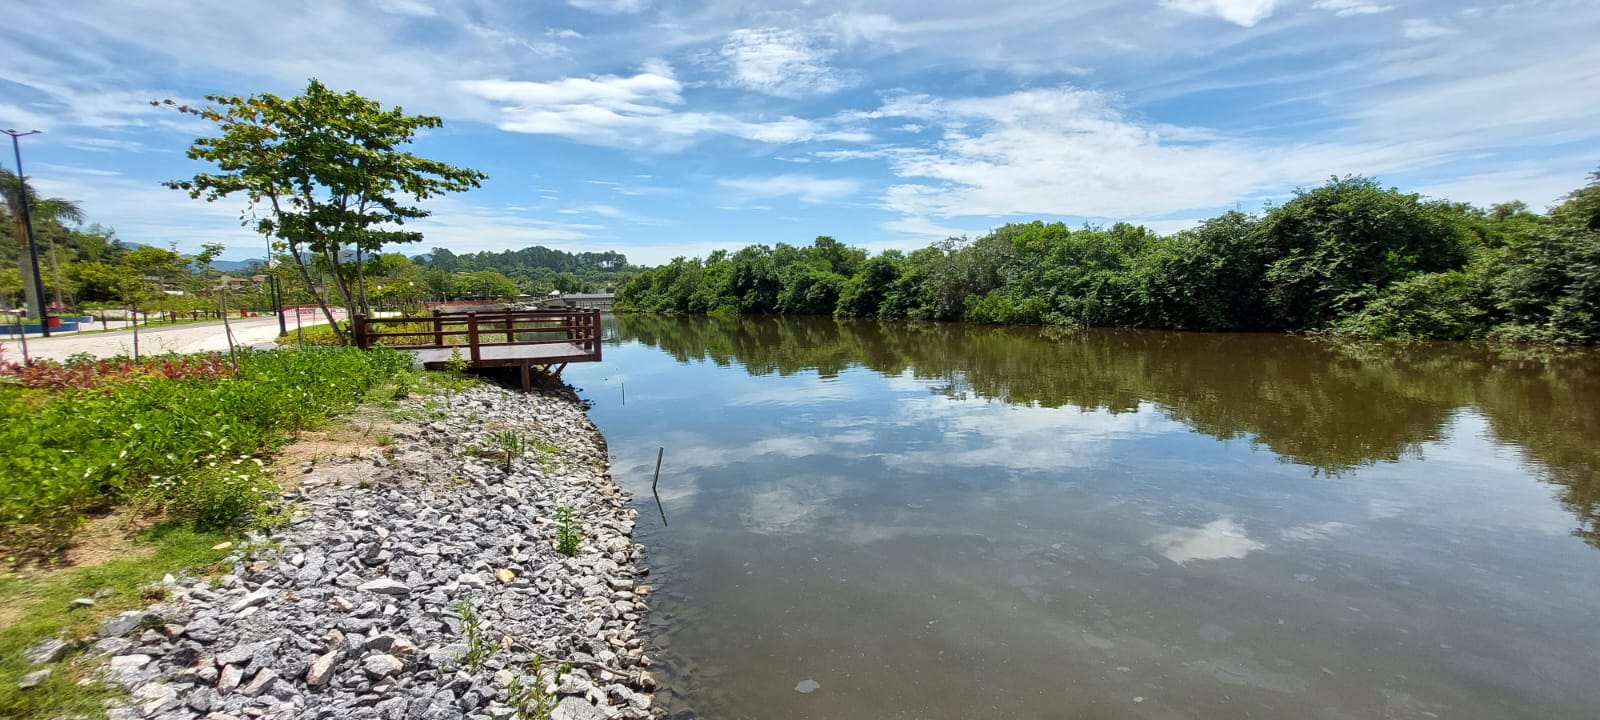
(197, 337)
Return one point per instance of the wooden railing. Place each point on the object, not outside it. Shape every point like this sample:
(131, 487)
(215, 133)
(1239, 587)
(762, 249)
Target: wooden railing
(475, 331)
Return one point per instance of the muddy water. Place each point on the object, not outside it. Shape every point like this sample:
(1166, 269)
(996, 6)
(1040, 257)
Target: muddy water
(886, 521)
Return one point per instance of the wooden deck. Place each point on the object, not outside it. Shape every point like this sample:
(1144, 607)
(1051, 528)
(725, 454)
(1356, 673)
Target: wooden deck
(542, 341)
(502, 355)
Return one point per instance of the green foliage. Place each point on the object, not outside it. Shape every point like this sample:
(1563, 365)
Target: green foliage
(1350, 257)
(535, 270)
(529, 699)
(479, 646)
(41, 608)
(1435, 305)
(568, 532)
(320, 172)
(483, 284)
(190, 444)
(512, 444)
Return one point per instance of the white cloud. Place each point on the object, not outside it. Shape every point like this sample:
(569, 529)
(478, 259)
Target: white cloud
(1221, 539)
(805, 187)
(1245, 13)
(1424, 29)
(1351, 7)
(779, 62)
(1064, 151)
(563, 34)
(924, 229)
(1540, 186)
(632, 111)
(610, 7)
(414, 8)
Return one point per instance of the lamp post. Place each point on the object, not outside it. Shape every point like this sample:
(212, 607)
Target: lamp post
(27, 223)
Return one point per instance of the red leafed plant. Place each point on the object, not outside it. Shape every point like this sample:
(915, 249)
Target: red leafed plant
(90, 373)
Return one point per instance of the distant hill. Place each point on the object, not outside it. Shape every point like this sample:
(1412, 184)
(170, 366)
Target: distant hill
(536, 268)
(527, 258)
(229, 266)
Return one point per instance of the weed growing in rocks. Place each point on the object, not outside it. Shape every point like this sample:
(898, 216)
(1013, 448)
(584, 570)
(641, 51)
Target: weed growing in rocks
(567, 531)
(530, 700)
(513, 445)
(479, 647)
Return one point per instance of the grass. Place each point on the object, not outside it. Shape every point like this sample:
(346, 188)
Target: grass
(84, 437)
(39, 607)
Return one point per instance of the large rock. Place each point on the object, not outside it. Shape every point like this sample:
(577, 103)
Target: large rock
(574, 708)
(236, 655)
(381, 666)
(33, 679)
(321, 669)
(48, 651)
(385, 586)
(125, 623)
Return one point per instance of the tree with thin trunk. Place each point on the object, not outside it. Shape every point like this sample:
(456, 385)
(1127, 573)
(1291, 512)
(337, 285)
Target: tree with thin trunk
(13, 192)
(322, 174)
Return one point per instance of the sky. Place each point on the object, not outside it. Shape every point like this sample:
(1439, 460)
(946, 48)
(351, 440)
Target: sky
(660, 128)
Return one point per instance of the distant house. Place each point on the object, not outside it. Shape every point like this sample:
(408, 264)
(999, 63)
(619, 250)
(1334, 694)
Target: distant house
(237, 283)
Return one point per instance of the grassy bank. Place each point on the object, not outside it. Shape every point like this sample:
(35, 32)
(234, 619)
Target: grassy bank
(180, 446)
(38, 607)
(182, 434)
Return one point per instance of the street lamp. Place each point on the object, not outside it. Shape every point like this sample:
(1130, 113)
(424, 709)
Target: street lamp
(27, 223)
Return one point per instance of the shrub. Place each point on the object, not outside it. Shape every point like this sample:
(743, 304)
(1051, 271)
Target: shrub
(187, 440)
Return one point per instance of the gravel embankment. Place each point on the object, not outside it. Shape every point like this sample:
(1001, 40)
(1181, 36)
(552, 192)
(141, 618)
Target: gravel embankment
(355, 608)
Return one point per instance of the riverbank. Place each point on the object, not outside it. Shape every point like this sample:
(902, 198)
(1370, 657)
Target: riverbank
(420, 580)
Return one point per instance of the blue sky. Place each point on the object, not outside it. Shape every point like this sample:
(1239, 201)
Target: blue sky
(661, 128)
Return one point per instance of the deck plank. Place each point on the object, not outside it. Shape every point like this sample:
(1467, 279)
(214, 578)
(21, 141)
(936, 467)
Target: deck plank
(502, 355)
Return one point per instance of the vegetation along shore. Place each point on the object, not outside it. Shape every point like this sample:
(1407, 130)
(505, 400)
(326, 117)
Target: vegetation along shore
(193, 539)
(1350, 258)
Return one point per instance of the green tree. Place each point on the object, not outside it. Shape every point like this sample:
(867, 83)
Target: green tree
(484, 284)
(321, 172)
(15, 192)
(1335, 247)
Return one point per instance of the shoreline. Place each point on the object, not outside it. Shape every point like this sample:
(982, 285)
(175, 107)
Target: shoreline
(421, 582)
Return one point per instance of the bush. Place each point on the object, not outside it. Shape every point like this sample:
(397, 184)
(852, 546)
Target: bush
(1436, 305)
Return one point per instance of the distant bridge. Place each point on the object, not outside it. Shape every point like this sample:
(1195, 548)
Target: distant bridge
(597, 301)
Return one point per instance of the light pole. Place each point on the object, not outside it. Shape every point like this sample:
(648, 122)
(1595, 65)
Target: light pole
(27, 223)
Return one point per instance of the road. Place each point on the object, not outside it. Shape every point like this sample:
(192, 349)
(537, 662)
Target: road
(198, 337)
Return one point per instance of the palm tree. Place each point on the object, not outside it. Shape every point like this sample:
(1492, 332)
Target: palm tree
(12, 191)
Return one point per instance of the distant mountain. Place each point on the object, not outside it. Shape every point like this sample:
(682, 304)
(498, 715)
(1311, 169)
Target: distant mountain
(229, 266)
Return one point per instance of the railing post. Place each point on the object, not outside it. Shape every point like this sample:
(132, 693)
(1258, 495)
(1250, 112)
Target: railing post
(438, 329)
(472, 336)
(511, 328)
(359, 325)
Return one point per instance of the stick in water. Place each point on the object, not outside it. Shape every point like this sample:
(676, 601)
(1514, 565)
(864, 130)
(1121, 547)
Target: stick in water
(659, 506)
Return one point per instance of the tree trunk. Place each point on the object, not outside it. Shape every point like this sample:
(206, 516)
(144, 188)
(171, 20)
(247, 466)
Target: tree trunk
(319, 298)
(227, 330)
(30, 288)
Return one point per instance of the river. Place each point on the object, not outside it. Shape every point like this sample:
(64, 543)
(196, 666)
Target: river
(870, 521)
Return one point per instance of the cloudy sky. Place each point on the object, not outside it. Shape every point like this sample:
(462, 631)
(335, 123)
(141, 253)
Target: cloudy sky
(660, 128)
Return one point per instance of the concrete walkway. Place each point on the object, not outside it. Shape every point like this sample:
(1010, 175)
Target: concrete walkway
(156, 339)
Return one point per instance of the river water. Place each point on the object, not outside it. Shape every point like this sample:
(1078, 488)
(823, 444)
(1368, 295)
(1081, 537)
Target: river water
(868, 521)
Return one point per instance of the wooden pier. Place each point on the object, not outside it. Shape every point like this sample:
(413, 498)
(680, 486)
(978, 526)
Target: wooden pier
(529, 340)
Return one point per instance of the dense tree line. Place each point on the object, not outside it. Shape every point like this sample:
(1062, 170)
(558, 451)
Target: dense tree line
(535, 270)
(1350, 258)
